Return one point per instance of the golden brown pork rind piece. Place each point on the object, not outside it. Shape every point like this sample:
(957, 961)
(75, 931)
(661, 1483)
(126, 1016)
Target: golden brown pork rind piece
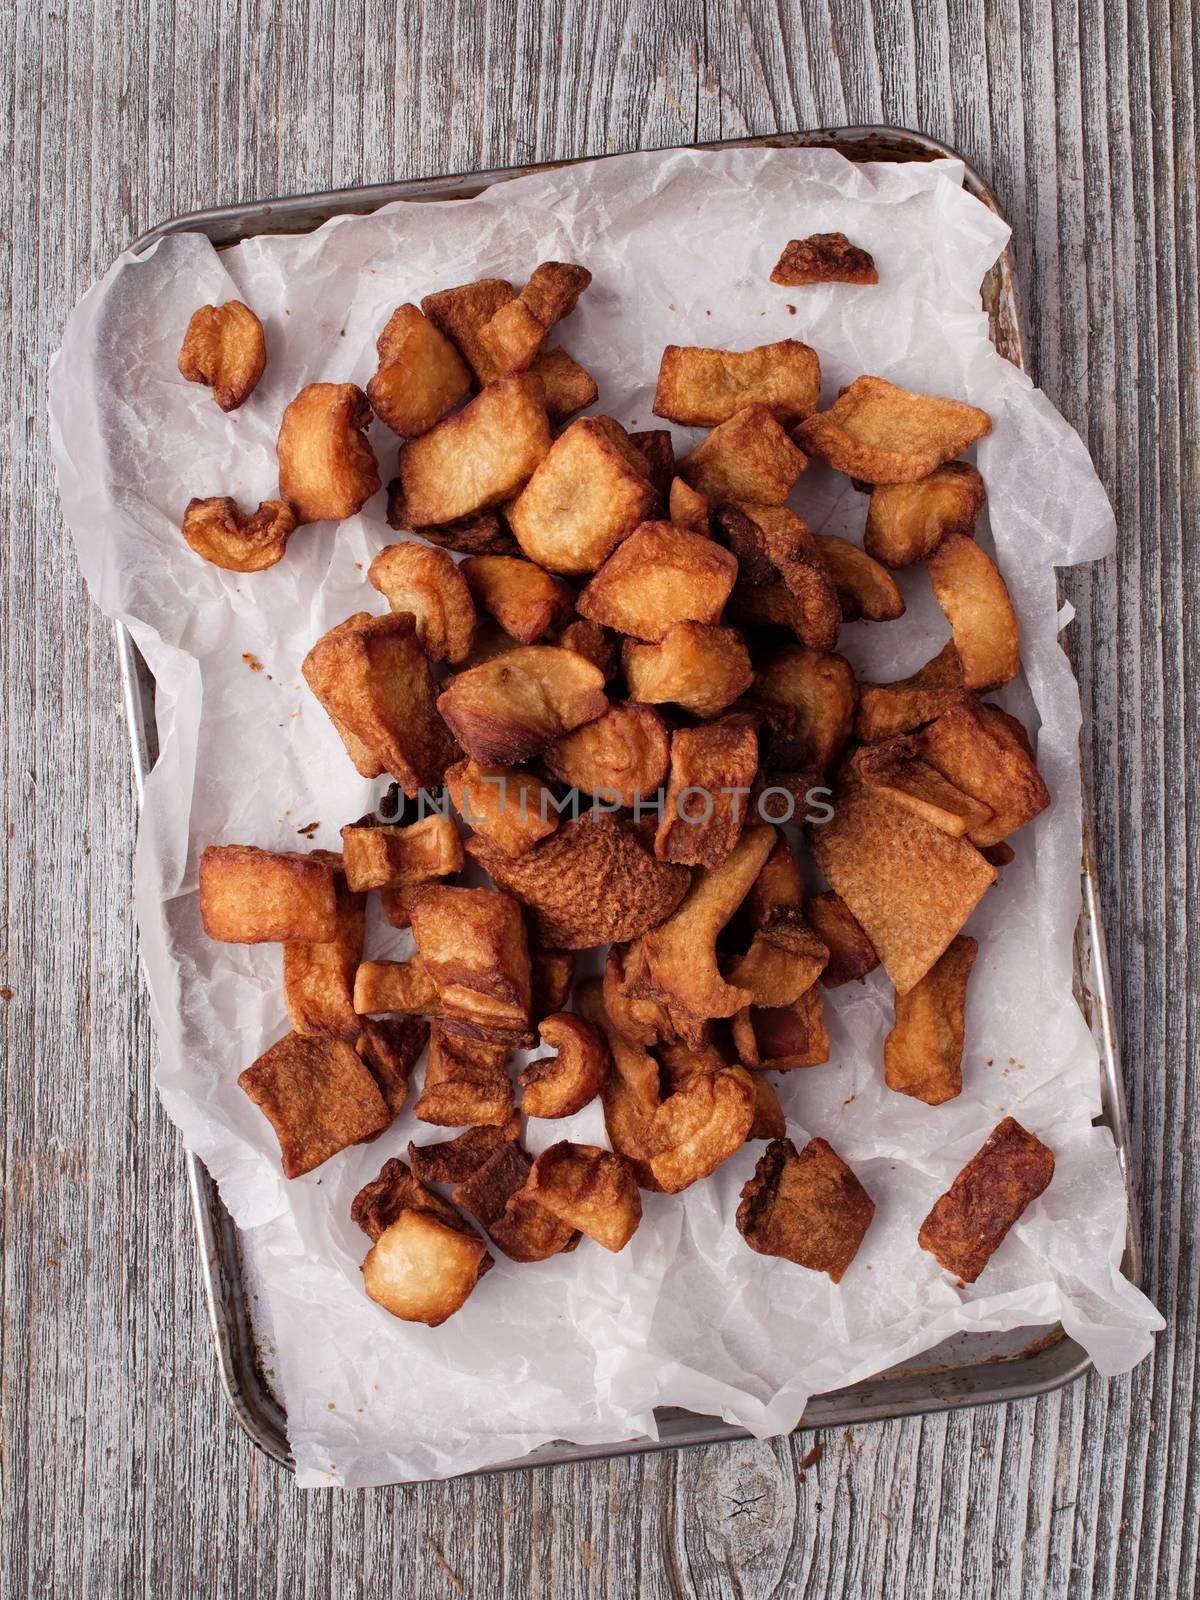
(702, 387)
(985, 753)
(385, 856)
(460, 313)
(593, 882)
(907, 521)
(696, 667)
(552, 972)
(569, 387)
(433, 589)
(687, 507)
(592, 489)
(252, 896)
(318, 979)
(658, 449)
(889, 708)
(864, 587)
(632, 1092)
(810, 698)
(454, 1160)
(969, 1222)
(594, 643)
(975, 598)
(851, 953)
(593, 1190)
(561, 1085)
(472, 943)
(403, 987)
(783, 1038)
(514, 334)
(237, 541)
(707, 1119)
(391, 1048)
(909, 885)
(783, 578)
(922, 1055)
(554, 290)
(806, 1206)
(421, 375)
(373, 678)
(769, 1121)
(712, 771)
(466, 1084)
(327, 469)
(896, 770)
(676, 963)
(658, 576)
(748, 457)
(779, 884)
(318, 1096)
(623, 755)
(640, 1022)
(477, 458)
(224, 348)
(510, 708)
(481, 534)
(423, 1269)
(784, 960)
(508, 807)
(880, 433)
(527, 602)
(823, 258)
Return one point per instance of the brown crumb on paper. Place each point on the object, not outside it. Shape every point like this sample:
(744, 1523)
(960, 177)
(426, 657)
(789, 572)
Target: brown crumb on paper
(308, 829)
(252, 661)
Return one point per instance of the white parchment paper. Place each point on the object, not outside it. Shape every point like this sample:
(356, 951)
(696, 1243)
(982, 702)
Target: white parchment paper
(584, 1346)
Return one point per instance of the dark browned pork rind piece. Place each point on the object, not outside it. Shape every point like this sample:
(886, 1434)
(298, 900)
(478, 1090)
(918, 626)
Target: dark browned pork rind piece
(318, 1096)
(391, 1048)
(253, 896)
(888, 708)
(224, 348)
(483, 534)
(823, 258)
(454, 1160)
(851, 953)
(783, 579)
(466, 1084)
(378, 1203)
(237, 541)
(922, 1055)
(708, 792)
(510, 708)
(460, 313)
(985, 752)
(968, 1223)
(806, 1206)
(783, 1038)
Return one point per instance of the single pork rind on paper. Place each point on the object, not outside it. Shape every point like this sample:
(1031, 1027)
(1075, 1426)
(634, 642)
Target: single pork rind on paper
(880, 433)
(806, 1206)
(591, 1189)
(253, 896)
(224, 349)
(327, 469)
(969, 1222)
(985, 753)
(970, 590)
(461, 313)
(701, 388)
(922, 1056)
(220, 531)
(423, 1268)
(562, 1085)
(319, 1096)
(433, 589)
(865, 588)
(823, 258)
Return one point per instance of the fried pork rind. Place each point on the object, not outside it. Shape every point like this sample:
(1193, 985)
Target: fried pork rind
(461, 312)
(641, 1022)
(592, 883)
(698, 668)
(658, 448)
(592, 489)
(569, 387)
(593, 1190)
(224, 348)
(552, 973)
(382, 856)
(454, 1160)
(524, 600)
(318, 979)
(805, 1206)
(779, 884)
(749, 457)
(783, 1038)
(432, 588)
(482, 534)
(783, 962)
(528, 1232)
(782, 577)
(907, 521)
(880, 433)
(318, 1096)
(512, 338)
(909, 885)
(676, 962)
(391, 1049)
(705, 1121)
(969, 1222)
(623, 755)
(423, 1269)
(702, 388)
(421, 375)
(864, 587)
(508, 807)
(252, 896)
(373, 678)
(554, 290)
(472, 943)
(395, 986)
(510, 708)
(769, 1121)
(485, 1194)
(479, 457)
(659, 576)
(220, 531)
(823, 258)
(562, 1085)
(594, 643)
(378, 1203)
(466, 1084)
(888, 708)
(687, 508)
(985, 753)
(327, 470)
(712, 770)
(894, 768)
(851, 953)
(807, 700)
(922, 1055)
(975, 599)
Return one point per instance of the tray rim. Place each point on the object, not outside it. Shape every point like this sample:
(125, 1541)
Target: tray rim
(238, 1360)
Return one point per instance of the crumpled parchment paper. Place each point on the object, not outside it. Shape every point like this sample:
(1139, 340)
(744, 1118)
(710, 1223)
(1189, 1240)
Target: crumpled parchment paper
(585, 1346)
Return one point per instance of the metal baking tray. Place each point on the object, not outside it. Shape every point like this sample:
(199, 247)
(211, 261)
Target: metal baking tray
(966, 1370)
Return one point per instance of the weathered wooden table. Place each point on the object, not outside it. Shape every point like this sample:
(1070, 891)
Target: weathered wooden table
(123, 1472)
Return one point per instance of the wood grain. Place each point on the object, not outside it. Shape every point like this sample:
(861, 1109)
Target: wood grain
(123, 1473)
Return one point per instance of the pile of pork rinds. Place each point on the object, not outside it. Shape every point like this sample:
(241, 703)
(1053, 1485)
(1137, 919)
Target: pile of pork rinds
(632, 629)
